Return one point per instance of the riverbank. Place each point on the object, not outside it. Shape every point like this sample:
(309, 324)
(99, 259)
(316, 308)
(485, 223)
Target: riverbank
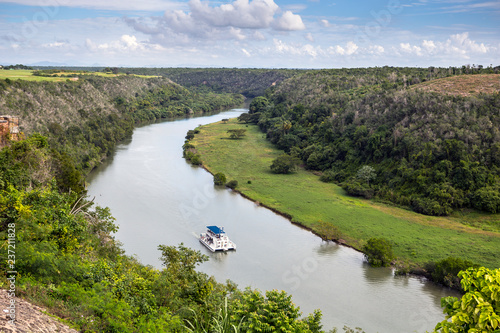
(328, 211)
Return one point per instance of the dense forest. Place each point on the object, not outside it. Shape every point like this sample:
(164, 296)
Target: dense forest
(379, 136)
(85, 118)
(250, 82)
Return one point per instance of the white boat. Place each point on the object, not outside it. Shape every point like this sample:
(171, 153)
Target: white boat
(215, 239)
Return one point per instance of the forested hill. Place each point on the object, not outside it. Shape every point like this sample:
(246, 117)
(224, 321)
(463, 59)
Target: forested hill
(249, 82)
(86, 116)
(375, 133)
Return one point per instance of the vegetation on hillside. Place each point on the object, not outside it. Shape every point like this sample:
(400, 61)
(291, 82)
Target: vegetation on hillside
(431, 152)
(66, 257)
(417, 241)
(85, 119)
(249, 82)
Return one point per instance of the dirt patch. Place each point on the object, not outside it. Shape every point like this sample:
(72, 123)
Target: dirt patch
(463, 85)
(29, 318)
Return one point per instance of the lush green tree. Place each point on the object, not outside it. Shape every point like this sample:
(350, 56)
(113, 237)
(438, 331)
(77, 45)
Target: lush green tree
(378, 252)
(258, 104)
(274, 312)
(219, 178)
(237, 133)
(446, 271)
(366, 173)
(285, 164)
(232, 184)
(196, 159)
(479, 308)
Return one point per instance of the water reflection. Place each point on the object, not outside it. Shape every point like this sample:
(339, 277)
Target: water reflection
(376, 275)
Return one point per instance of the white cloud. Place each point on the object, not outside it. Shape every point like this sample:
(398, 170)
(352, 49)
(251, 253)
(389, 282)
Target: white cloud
(325, 23)
(246, 52)
(309, 37)
(458, 45)
(349, 49)
(126, 43)
(375, 49)
(289, 22)
(295, 49)
(203, 23)
(429, 45)
(241, 13)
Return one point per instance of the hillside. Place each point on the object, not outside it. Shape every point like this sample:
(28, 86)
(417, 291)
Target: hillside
(464, 85)
(432, 152)
(85, 118)
(249, 82)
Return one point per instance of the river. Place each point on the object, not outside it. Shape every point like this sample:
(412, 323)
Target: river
(157, 198)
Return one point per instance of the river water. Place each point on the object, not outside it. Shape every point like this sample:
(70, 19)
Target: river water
(157, 198)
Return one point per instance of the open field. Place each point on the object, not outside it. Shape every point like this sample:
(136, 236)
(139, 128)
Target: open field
(25, 74)
(463, 85)
(316, 205)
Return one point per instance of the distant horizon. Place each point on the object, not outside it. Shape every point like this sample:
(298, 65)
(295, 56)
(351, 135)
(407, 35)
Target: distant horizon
(308, 34)
(215, 67)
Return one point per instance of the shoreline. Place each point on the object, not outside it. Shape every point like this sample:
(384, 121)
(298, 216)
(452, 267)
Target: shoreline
(340, 242)
(425, 239)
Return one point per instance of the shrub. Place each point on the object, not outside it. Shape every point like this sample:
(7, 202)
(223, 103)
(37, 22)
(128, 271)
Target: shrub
(487, 199)
(190, 135)
(285, 164)
(378, 252)
(446, 271)
(430, 207)
(357, 189)
(232, 184)
(219, 178)
(237, 133)
(196, 160)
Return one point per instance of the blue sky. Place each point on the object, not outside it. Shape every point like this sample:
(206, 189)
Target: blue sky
(251, 33)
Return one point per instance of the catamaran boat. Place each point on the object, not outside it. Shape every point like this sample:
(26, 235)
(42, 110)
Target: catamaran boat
(215, 239)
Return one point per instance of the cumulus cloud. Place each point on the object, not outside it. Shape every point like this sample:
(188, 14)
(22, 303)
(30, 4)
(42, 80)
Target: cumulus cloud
(126, 43)
(238, 20)
(289, 22)
(458, 45)
(349, 49)
(296, 49)
(325, 23)
(240, 14)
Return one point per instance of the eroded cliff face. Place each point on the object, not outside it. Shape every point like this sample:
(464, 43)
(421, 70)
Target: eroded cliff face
(29, 318)
(9, 129)
(38, 104)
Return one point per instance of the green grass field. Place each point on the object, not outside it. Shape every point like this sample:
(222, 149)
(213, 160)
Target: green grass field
(417, 238)
(25, 74)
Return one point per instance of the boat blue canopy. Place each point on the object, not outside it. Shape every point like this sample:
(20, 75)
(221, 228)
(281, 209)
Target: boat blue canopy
(215, 229)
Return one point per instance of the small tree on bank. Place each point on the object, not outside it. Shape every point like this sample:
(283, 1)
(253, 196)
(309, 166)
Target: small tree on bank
(285, 164)
(378, 252)
(237, 133)
(219, 178)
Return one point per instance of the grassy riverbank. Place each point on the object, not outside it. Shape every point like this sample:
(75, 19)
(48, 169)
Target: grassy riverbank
(324, 207)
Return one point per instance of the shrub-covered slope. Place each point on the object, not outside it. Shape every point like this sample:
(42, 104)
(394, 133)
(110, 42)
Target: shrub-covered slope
(84, 119)
(431, 151)
(249, 82)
